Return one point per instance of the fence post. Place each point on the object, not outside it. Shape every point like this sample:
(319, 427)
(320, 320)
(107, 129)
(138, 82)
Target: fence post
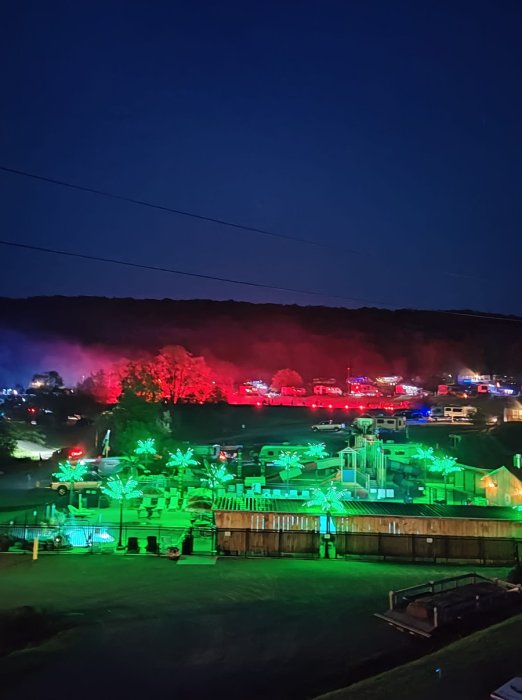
(482, 549)
(280, 532)
(247, 540)
(413, 547)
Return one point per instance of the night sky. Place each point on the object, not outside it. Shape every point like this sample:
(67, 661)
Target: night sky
(392, 129)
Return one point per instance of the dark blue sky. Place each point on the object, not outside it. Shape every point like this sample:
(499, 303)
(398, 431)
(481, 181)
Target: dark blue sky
(390, 128)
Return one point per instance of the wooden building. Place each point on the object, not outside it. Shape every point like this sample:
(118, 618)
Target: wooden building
(503, 487)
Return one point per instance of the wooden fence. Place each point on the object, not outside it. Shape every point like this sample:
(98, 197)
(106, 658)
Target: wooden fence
(440, 548)
(267, 543)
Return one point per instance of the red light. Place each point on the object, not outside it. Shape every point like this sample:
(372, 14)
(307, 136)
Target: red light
(314, 406)
(346, 406)
(361, 408)
(330, 405)
(31, 410)
(75, 453)
(258, 403)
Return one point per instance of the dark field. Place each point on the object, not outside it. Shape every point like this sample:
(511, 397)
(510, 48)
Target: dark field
(237, 629)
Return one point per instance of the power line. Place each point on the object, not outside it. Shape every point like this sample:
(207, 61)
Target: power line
(155, 268)
(172, 210)
(202, 217)
(246, 283)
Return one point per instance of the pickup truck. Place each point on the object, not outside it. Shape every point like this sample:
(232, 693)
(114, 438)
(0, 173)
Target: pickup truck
(62, 487)
(328, 426)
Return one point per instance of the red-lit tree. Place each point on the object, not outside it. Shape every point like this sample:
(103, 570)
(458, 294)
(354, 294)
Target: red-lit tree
(104, 386)
(140, 378)
(286, 377)
(182, 377)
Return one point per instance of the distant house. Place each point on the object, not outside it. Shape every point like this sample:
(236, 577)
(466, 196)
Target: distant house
(503, 486)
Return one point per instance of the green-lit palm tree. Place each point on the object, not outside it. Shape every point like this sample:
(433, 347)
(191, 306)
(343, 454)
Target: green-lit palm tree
(121, 491)
(316, 450)
(444, 465)
(180, 461)
(71, 474)
(329, 501)
(288, 461)
(145, 449)
(425, 456)
(216, 477)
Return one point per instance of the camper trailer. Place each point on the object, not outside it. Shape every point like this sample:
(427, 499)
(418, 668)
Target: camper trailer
(269, 453)
(453, 414)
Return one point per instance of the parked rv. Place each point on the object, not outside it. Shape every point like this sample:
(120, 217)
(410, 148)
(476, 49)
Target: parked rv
(269, 453)
(453, 414)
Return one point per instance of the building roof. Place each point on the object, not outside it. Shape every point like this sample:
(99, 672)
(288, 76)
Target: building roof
(373, 508)
(514, 471)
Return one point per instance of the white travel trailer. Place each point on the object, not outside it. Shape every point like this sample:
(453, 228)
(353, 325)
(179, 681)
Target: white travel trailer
(453, 414)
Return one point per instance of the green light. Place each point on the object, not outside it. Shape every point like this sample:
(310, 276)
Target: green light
(119, 490)
(424, 454)
(444, 465)
(327, 500)
(71, 473)
(316, 450)
(288, 460)
(181, 459)
(216, 477)
(146, 447)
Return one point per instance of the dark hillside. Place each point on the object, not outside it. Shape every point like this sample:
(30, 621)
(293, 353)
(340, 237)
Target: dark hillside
(264, 337)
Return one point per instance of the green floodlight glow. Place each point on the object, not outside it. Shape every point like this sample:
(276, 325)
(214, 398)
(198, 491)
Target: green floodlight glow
(288, 460)
(424, 454)
(71, 472)
(328, 500)
(444, 465)
(316, 450)
(146, 447)
(121, 490)
(216, 477)
(182, 460)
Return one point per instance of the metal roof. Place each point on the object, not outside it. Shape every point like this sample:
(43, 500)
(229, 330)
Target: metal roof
(372, 508)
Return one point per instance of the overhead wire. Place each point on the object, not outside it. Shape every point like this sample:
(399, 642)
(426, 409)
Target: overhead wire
(157, 268)
(247, 283)
(172, 210)
(202, 217)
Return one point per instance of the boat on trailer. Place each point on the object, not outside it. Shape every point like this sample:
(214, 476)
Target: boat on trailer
(425, 609)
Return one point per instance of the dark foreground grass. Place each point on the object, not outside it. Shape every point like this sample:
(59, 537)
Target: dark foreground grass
(239, 629)
(470, 669)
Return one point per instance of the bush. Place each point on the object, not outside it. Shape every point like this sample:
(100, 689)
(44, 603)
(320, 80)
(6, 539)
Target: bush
(515, 575)
(23, 627)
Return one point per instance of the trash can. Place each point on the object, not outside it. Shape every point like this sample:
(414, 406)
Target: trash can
(188, 544)
(132, 546)
(152, 544)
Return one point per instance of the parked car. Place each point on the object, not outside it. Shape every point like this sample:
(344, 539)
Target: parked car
(328, 426)
(62, 487)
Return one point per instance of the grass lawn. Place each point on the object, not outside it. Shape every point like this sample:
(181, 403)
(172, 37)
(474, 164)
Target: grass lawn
(470, 669)
(239, 629)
